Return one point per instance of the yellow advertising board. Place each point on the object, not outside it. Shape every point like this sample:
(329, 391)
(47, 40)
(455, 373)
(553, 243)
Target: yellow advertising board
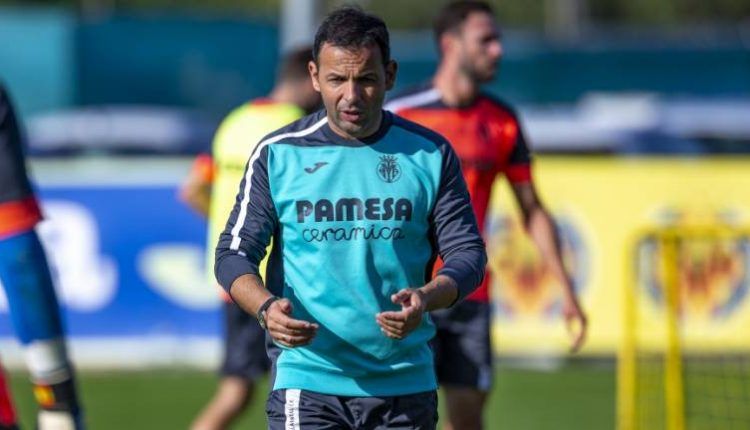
(601, 205)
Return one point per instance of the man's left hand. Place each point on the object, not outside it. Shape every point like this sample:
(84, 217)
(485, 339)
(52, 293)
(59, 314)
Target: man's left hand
(398, 324)
(575, 321)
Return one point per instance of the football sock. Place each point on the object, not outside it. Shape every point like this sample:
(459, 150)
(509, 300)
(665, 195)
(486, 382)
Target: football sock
(7, 412)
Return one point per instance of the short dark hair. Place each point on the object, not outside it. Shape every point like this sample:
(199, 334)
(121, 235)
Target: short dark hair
(351, 27)
(293, 65)
(453, 15)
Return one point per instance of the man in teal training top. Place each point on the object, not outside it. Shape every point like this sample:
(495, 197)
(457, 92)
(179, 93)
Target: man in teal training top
(359, 203)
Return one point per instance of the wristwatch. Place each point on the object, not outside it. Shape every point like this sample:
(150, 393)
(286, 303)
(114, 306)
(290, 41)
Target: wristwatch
(262, 311)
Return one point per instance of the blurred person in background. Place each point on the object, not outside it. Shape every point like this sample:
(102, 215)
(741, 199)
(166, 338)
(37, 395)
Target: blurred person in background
(27, 281)
(488, 138)
(361, 201)
(210, 189)
(7, 411)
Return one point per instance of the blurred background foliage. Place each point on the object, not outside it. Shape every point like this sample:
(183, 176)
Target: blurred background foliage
(418, 13)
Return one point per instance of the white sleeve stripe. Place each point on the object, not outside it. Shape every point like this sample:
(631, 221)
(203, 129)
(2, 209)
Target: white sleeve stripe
(428, 96)
(291, 409)
(235, 245)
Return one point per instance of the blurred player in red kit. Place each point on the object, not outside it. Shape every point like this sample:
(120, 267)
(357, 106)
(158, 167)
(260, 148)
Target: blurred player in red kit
(488, 139)
(27, 282)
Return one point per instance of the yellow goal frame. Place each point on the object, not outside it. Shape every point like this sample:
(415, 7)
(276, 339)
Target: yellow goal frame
(668, 239)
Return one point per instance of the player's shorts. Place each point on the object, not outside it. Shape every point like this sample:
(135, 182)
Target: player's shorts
(463, 356)
(273, 352)
(300, 409)
(245, 345)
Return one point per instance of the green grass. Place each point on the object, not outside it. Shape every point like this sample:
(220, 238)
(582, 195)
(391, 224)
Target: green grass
(575, 397)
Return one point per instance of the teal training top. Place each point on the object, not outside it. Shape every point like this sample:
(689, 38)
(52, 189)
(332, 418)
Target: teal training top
(353, 222)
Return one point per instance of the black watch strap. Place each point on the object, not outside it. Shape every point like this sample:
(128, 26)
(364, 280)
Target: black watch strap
(262, 311)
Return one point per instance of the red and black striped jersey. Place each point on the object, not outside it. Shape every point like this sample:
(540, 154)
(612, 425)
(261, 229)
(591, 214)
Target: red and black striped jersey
(19, 210)
(487, 137)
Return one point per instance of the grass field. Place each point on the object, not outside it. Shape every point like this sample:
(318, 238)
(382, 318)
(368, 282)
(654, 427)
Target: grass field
(577, 396)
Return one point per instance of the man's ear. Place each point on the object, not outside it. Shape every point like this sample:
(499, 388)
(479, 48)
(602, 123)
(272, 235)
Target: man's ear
(447, 42)
(313, 69)
(390, 74)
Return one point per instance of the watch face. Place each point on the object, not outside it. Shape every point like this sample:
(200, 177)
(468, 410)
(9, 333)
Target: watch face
(262, 320)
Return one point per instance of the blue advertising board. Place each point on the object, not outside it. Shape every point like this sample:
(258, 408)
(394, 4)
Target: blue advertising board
(127, 257)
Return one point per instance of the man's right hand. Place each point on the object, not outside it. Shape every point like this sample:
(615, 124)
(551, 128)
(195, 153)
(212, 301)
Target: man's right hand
(285, 330)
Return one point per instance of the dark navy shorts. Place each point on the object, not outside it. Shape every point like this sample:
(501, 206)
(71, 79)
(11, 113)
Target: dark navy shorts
(292, 409)
(245, 345)
(463, 356)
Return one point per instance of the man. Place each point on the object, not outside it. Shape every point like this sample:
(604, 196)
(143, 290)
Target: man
(210, 189)
(487, 136)
(358, 202)
(28, 285)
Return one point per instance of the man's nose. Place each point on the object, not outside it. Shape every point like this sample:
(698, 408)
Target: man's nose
(352, 91)
(496, 49)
